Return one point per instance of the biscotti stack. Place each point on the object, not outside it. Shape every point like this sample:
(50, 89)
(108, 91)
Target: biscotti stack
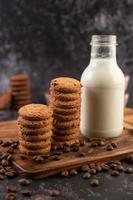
(35, 121)
(20, 90)
(65, 103)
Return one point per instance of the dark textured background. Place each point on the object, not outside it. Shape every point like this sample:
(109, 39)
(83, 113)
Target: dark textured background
(51, 38)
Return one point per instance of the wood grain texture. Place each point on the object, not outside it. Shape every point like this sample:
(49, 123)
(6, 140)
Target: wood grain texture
(8, 130)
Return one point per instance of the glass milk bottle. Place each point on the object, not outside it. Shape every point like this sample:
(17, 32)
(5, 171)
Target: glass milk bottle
(102, 93)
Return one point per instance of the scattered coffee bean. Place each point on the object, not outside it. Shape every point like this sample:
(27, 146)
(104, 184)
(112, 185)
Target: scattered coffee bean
(65, 173)
(10, 150)
(92, 165)
(82, 142)
(129, 170)
(98, 168)
(105, 168)
(10, 196)
(115, 173)
(101, 143)
(120, 168)
(94, 144)
(92, 171)
(14, 145)
(5, 144)
(54, 147)
(25, 181)
(40, 198)
(75, 147)
(11, 188)
(26, 192)
(2, 177)
(73, 172)
(55, 193)
(23, 157)
(82, 154)
(4, 163)
(10, 158)
(10, 174)
(94, 182)
(84, 168)
(114, 145)
(86, 175)
(66, 149)
(109, 147)
(129, 159)
(38, 159)
(117, 162)
(113, 166)
(2, 171)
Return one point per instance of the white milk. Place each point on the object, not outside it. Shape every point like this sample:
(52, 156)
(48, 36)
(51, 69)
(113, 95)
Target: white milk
(102, 98)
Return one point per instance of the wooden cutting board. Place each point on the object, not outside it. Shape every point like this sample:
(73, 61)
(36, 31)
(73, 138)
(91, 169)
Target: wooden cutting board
(8, 130)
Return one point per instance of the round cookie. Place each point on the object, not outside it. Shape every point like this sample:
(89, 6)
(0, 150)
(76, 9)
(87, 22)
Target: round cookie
(19, 77)
(66, 85)
(69, 104)
(36, 145)
(34, 124)
(35, 138)
(69, 131)
(66, 117)
(66, 137)
(68, 142)
(34, 152)
(64, 111)
(35, 112)
(65, 124)
(37, 131)
(64, 96)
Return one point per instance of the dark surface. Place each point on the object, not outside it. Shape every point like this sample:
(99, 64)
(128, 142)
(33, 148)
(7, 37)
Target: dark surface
(51, 38)
(75, 188)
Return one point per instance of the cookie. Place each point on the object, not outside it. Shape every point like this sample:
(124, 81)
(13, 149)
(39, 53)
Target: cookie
(68, 142)
(19, 77)
(69, 104)
(66, 137)
(36, 131)
(35, 112)
(64, 131)
(65, 124)
(64, 111)
(19, 84)
(34, 124)
(66, 117)
(34, 152)
(20, 93)
(35, 145)
(64, 96)
(35, 138)
(65, 85)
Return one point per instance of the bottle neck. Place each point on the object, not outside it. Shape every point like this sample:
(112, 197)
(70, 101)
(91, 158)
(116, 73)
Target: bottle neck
(103, 52)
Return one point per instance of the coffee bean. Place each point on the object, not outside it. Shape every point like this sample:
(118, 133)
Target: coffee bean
(66, 149)
(98, 168)
(5, 144)
(10, 174)
(75, 147)
(23, 157)
(38, 159)
(10, 158)
(73, 172)
(2, 177)
(4, 163)
(56, 158)
(2, 171)
(40, 198)
(25, 181)
(120, 168)
(92, 165)
(54, 147)
(114, 145)
(10, 150)
(94, 182)
(11, 188)
(115, 173)
(4, 156)
(109, 147)
(129, 159)
(94, 144)
(92, 171)
(14, 145)
(113, 166)
(82, 142)
(105, 168)
(65, 173)
(101, 143)
(55, 193)
(129, 170)
(82, 154)
(86, 175)
(26, 192)
(84, 168)
(10, 196)
(117, 162)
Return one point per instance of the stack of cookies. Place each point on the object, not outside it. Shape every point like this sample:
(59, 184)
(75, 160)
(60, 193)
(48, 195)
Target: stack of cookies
(35, 121)
(65, 103)
(20, 90)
